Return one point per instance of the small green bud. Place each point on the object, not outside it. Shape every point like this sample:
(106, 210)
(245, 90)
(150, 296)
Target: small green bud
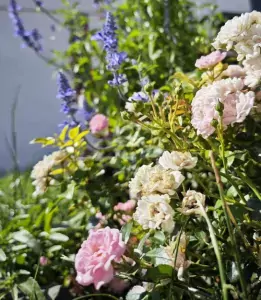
(220, 108)
(214, 123)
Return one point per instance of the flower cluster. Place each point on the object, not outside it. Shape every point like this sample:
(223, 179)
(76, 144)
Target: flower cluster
(41, 171)
(32, 38)
(152, 186)
(237, 105)
(243, 35)
(114, 58)
(153, 180)
(93, 262)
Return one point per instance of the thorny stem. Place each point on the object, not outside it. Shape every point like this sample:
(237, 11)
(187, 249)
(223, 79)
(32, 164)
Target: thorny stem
(229, 226)
(217, 252)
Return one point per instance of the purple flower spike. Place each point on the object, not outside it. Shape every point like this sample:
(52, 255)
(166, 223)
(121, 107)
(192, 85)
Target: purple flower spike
(65, 92)
(110, 44)
(30, 39)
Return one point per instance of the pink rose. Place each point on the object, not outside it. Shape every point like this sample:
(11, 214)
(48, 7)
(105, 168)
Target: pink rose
(208, 61)
(237, 105)
(127, 206)
(43, 261)
(93, 262)
(98, 123)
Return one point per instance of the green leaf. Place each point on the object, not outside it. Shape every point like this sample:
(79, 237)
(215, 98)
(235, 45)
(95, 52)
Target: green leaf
(57, 172)
(160, 236)
(126, 231)
(73, 133)
(159, 256)
(14, 292)
(25, 237)
(2, 255)
(55, 248)
(232, 192)
(141, 243)
(230, 158)
(59, 237)
(63, 133)
(70, 191)
(81, 135)
(44, 141)
(31, 289)
(49, 213)
(136, 293)
(54, 291)
(160, 272)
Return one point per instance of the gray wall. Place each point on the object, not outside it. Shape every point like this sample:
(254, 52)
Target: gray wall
(38, 109)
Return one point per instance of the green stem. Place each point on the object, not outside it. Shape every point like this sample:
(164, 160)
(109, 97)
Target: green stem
(229, 225)
(217, 252)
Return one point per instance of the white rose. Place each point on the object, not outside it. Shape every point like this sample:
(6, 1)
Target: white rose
(154, 180)
(154, 212)
(41, 170)
(177, 160)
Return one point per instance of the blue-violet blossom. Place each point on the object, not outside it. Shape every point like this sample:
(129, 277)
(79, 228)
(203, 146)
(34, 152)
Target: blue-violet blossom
(139, 96)
(69, 104)
(31, 38)
(110, 44)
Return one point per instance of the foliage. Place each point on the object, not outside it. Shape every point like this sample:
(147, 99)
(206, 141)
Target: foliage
(195, 230)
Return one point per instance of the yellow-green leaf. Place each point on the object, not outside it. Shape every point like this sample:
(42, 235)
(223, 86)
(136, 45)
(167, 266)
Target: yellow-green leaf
(73, 133)
(63, 133)
(43, 141)
(57, 172)
(67, 144)
(81, 135)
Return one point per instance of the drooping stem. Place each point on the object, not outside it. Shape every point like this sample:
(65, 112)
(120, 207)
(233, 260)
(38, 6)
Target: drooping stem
(229, 225)
(217, 252)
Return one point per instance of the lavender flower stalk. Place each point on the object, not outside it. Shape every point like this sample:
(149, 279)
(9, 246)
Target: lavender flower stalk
(69, 104)
(31, 38)
(110, 44)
